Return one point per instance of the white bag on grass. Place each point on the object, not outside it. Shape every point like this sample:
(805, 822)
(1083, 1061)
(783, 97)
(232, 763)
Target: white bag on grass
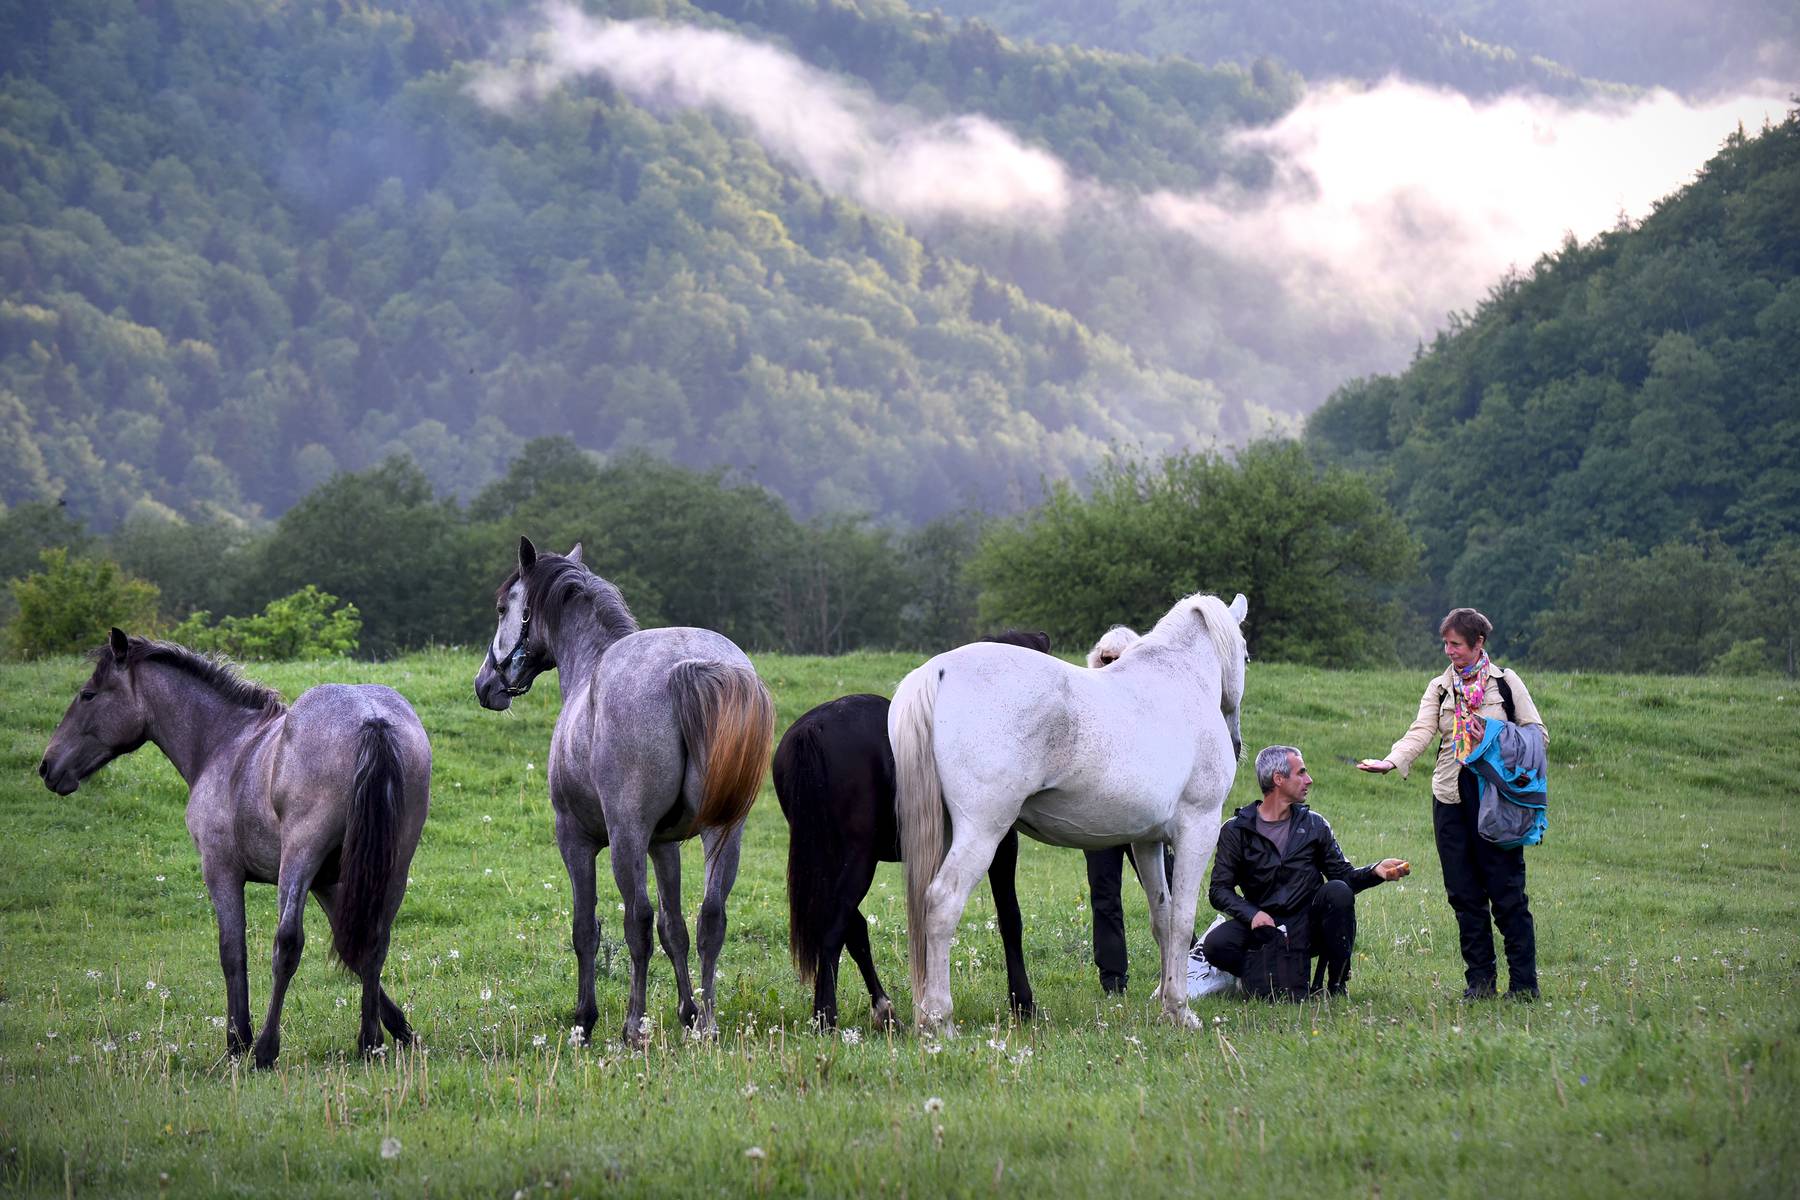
(1203, 978)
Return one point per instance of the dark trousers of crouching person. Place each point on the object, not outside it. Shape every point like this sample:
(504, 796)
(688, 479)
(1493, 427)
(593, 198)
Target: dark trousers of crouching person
(1105, 873)
(1325, 928)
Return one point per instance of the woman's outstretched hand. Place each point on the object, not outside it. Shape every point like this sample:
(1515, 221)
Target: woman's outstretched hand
(1377, 766)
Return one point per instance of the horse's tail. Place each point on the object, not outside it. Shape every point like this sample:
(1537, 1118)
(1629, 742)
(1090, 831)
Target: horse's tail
(371, 844)
(803, 785)
(727, 722)
(918, 804)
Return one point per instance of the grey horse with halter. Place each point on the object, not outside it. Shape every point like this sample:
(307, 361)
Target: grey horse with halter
(664, 735)
(328, 797)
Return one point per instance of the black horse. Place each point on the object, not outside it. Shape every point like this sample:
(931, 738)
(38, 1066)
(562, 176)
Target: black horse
(834, 776)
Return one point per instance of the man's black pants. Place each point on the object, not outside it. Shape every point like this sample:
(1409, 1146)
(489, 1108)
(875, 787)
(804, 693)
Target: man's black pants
(1481, 877)
(1326, 929)
(1106, 872)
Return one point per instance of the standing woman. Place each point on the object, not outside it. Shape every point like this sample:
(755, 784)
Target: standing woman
(1478, 875)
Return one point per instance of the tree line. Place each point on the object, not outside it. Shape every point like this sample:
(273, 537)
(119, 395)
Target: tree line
(689, 547)
(376, 563)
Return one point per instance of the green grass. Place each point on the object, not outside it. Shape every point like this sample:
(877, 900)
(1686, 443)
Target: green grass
(1661, 1061)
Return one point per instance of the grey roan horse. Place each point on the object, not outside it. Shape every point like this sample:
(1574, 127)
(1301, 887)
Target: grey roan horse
(664, 734)
(328, 796)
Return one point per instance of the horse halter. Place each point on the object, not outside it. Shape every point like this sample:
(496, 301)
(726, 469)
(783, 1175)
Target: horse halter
(515, 659)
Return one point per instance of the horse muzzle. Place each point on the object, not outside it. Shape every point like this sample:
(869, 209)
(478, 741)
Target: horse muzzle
(492, 691)
(58, 778)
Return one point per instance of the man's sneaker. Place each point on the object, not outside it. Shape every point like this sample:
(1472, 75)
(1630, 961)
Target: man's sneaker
(1482, 989)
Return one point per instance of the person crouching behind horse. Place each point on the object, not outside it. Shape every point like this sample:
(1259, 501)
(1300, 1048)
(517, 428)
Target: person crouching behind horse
(1279, 864)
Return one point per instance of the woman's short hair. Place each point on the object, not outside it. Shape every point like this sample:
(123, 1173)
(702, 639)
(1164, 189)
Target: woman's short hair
(1467, 624)
(1273, 761)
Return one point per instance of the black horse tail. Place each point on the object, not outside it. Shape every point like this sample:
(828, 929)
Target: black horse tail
(727, 722)
(815, 852)
(371, 845)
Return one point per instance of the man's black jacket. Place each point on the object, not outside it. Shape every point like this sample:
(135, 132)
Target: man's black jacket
(1281, 885)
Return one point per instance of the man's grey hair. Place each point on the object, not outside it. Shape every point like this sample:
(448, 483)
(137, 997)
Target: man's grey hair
(1272, 761)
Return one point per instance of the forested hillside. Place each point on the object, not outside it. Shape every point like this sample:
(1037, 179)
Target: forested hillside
(1322, 39)
(247, 245)
(1615, 431)
(1672, 43)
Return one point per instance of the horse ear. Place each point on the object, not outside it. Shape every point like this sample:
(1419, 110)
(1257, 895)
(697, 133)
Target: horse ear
(1239, 608)
(527, 554)
(119, 644)
(575, 554)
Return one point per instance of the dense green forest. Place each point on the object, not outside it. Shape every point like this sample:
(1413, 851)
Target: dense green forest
(1637, 392)
(247, 245)
(1322, 39)
(1477, 47)
(288, 302)
(1671, 43)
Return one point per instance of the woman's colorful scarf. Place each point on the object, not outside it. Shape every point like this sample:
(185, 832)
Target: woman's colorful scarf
(1470, 687)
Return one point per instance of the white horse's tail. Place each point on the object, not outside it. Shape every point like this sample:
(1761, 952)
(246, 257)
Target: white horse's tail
(919, 805)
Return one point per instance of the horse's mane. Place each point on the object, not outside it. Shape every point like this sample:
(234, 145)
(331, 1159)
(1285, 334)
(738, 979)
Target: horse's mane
(1221, 627)
(555, 582)
(217, 673)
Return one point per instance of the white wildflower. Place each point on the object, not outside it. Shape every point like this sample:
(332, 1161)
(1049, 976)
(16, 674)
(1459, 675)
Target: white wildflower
(852, 1036)
(487, 993)
(576, 1036)
(750, 1089)
(934, 1105)
(390, 1147)
(539, 1040)
(455, 954)
(756, 1154)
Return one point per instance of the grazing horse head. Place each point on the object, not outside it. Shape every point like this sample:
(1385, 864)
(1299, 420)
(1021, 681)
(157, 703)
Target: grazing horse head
(105, 720)
(1111, 645)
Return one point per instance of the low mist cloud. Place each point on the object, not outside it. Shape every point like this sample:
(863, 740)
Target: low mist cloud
(884, 157)
(1402, 202)
(1389, 207)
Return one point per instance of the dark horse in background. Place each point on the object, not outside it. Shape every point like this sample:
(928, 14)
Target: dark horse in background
(834, 776)
(328, 796)
(664, 735)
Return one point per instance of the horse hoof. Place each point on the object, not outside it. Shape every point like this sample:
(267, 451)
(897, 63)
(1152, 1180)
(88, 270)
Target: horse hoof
(403, 1036)
(1025, 1009)
(883, 1012)
(262, 1060)
(690, 1015)
(1182, 1016)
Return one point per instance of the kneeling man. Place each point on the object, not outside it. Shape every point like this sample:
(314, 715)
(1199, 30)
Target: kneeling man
(1278, 864)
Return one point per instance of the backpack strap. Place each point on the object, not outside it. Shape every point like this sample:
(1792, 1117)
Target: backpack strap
(1506, 700)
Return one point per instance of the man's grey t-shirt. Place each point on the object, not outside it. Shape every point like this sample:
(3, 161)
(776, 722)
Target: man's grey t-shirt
(1276, 831)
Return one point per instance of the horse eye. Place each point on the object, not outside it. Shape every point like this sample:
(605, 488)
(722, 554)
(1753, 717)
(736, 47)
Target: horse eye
(87, 695)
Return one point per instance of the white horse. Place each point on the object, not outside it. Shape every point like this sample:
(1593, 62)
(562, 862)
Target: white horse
(1142, 752)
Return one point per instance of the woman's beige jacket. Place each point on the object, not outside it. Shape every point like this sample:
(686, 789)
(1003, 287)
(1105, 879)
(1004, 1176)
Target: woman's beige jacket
(1436, 711)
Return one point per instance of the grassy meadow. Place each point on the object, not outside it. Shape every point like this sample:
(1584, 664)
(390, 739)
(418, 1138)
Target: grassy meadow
(1661, 1060)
